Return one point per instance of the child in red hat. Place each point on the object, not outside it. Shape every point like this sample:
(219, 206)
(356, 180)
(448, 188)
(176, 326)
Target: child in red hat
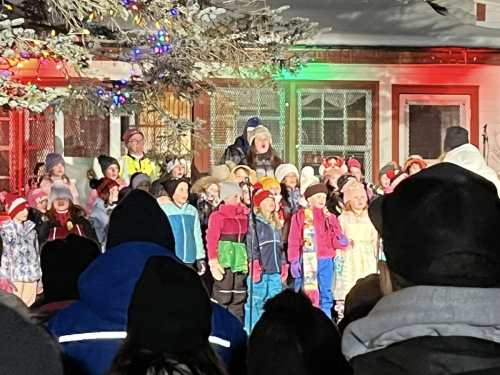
(266, 258)
(20, 269)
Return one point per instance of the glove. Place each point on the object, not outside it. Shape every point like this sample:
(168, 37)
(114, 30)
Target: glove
(338, 262)
(7, 286)
(343, 241)
(201, 265)
(255, 270)
(296, 269)
(284, 272)
(216, 269)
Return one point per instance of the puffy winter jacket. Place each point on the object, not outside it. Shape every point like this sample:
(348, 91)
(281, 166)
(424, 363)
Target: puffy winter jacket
(187, 232)
(92, 329)
(21, 255)
(266, 246)
(327, 230)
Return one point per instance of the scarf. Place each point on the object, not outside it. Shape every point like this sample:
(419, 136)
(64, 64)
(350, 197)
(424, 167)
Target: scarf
(263, 166)
(309, 257)
(425, 311)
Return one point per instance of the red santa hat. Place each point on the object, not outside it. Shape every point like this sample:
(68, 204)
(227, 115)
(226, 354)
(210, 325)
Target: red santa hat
(17, 206)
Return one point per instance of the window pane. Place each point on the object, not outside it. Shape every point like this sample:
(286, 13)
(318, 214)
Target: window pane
(4, 163)
(356, 105)
(334, 132)
(85, 136)
(427, 124)
(4, 133)
(356, 132)
(334, 106)
(311, 106)
(312, 132)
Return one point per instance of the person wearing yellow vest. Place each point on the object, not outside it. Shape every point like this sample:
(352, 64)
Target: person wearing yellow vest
(135, 161)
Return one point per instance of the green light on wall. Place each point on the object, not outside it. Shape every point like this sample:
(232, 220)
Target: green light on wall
(313, 71)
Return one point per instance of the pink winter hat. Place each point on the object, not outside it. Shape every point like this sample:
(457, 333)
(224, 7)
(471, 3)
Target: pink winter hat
(352, 162)
(35, 197)
(353, 189)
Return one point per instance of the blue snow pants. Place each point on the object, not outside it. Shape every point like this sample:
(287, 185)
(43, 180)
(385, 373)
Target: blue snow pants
(325, 281)
(268, 286)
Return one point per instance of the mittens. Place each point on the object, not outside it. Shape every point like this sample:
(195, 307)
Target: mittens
(343, 241)
(201, 265)
(296, 269)
(216, 269)
(255, 270)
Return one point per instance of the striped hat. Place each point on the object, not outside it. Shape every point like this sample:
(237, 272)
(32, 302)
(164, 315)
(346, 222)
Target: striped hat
(17, 206)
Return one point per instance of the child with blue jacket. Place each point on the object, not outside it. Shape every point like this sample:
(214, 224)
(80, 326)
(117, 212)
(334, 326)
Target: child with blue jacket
(266, 257)
(185, 223)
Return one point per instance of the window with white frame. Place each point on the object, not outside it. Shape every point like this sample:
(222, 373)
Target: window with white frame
(424, 120)
(334, 122)
(232, 107)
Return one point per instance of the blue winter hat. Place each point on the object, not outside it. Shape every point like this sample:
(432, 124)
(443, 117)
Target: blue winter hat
(250, 126)
(52, 159)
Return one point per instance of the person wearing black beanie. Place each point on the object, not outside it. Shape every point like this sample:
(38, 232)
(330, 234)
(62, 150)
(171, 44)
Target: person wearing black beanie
(440, 283)
(170, 318)
(26, 348)
(139, 218)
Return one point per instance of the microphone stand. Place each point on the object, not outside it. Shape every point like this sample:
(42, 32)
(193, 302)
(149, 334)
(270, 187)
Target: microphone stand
(485, 141)
(253, 223)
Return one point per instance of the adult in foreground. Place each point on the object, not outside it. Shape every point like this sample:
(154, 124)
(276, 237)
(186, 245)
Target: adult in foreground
(169, 324)
(441, 285)
(292, 337)
(92, 329)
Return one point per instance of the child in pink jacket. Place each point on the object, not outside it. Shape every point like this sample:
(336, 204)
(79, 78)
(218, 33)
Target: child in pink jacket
(315, 234)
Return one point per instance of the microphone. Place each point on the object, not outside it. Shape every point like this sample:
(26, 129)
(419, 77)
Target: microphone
(485, 133)
(247, 181)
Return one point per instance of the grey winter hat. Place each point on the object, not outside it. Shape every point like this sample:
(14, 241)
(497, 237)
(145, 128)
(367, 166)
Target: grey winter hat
(52, 159)
(228, 189)
(59, 191)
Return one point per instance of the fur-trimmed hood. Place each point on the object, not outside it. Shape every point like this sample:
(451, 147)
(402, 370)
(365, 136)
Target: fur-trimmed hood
(203, 183)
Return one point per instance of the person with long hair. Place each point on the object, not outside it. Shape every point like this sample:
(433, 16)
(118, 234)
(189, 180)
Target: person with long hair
(266, 258)
(359, 259)
(261, 155)
(169, 324)
(55, 167)
(66, 217)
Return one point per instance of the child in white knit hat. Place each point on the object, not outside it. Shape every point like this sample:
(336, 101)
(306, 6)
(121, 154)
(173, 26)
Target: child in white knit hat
(20, 270)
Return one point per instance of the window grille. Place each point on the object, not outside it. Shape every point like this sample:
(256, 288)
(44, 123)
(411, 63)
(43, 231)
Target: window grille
(85, 136)
(426, 122)
(334, 122)
(232, 107)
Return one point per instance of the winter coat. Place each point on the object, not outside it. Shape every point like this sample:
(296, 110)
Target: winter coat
(21, 255)
(106, 288)
(186, 228)
(427, 330)
(130, 165)
(93, 196)
(327, 231)
(46, 186)
(226, 232)
(469, 157)
(99, 218)
(237, 152)
(80, 226)
(266, 246)
(42, 224)
(292, 199)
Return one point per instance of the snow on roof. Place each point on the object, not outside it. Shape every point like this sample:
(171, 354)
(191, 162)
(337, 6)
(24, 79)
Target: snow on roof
(388, 23)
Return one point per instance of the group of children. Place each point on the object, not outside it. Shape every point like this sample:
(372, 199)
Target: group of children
(250, 227)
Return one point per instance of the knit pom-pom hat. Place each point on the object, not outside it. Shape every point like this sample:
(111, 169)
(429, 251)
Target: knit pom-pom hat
(309, 183)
